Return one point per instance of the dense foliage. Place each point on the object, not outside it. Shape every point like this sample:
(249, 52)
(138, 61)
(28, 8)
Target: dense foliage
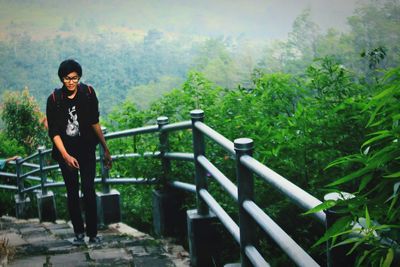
(300, 125)
(370, 220)
(322, 109)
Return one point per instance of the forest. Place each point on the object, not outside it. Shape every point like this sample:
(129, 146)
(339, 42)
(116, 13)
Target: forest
(321, 106)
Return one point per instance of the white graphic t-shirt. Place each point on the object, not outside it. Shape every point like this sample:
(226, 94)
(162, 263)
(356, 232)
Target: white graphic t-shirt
(73, 124)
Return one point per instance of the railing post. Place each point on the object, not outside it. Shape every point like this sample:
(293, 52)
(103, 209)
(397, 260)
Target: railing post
(43, 177)
(166, 202)
(21, 202)
(108, 201)
(164, 146)
(20, 182)
(244, 146)
(337, 256)
(198, 150)
(45, 199)
(201, 223)
(104, 171)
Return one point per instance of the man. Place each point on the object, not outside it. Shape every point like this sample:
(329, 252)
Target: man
(73, 120)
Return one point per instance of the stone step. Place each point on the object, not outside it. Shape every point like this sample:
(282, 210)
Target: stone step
(31, 243)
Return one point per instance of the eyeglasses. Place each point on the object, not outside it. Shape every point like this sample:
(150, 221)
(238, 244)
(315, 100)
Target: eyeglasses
(74, 79)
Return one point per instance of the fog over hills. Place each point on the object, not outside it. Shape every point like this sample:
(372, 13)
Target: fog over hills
(143, 48)
(251, 18)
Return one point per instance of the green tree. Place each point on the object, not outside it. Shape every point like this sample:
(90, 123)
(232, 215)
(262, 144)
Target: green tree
(144, 95)
(376, 25)
(216, 63)
(22, 118)
(9, 146)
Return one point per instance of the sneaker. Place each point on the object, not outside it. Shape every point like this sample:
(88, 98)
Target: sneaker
(79, 239)
(94, 240)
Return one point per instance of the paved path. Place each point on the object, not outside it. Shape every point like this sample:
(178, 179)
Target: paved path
(49, 244)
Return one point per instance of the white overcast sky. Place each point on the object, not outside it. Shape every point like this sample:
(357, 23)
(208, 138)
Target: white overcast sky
(263, 18)
(253, 18)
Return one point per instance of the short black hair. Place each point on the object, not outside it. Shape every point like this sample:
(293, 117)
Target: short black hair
(68, 66)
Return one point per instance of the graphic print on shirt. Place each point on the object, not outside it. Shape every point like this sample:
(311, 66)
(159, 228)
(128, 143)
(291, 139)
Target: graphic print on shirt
(73, 124)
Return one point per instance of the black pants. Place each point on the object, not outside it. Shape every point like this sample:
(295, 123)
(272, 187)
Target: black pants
(87, 163)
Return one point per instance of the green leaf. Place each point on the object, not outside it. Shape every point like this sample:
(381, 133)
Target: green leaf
(334, 230)
(351, 176)
(395, 189)
(374, 113)
(376, 138)
(393, 175)
(389, 258)
(383, 156)
(361, 241)
(378, 122)
(384, 93)
(396, 117)
(362, 258)
(323, 206)
(386, 226)
(353, 230)
(367, 218)
(353, 158)
(379, 132)
(391, 214)
(347, 241)
(365, 181)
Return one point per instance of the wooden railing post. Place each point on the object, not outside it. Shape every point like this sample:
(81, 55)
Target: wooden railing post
(164, 146)
(244, 146)
(104, 171)
(199, 149)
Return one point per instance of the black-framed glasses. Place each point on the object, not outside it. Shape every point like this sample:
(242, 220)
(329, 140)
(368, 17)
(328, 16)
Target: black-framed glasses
(74, 79)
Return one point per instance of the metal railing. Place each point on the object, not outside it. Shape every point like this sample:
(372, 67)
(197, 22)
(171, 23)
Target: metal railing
(250, 214)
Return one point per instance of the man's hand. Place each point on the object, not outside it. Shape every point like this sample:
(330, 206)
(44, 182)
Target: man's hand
(12, 158)
(71, 162)
(107, 159)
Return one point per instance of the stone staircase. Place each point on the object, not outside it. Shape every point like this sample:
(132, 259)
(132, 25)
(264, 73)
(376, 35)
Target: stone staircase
(31, 243)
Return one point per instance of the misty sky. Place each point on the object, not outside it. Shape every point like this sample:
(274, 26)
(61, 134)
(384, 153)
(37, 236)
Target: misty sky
(253, 18)
(264, 18)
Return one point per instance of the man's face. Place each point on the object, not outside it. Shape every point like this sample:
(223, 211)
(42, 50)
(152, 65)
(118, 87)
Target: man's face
(71, 81)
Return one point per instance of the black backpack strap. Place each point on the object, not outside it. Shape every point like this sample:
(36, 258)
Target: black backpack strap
(57, 96)
(86, 89)
(90, 89)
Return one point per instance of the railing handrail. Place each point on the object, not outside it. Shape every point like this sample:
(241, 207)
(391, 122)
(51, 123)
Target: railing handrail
(224, 142)
(219, 177)
(176, 126)
(131, 132)
(290, 190)
(29, 157)
(298, 196)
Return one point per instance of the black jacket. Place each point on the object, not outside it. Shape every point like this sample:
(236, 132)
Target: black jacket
(87, 111)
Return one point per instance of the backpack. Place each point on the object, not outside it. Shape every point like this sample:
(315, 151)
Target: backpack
(58, 95)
